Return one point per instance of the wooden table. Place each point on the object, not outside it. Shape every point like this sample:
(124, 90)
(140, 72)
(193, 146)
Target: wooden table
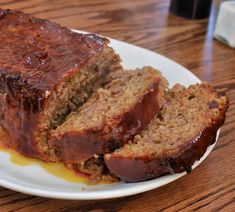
(148, 24)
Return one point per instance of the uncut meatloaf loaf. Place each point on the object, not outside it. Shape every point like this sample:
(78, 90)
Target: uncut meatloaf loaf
(176, 137)
(46, 71)
(112, 116)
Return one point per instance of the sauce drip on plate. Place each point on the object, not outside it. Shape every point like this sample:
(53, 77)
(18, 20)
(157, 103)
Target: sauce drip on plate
(56, 169)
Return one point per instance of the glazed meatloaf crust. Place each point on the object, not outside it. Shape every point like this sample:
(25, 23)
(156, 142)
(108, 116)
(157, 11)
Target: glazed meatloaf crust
(176, 137)
(112, 116)
(46, 71)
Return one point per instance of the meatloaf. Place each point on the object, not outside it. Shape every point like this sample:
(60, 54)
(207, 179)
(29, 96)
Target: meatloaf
(112, 116)
(176, 137)
(46, 71)
(94, 170)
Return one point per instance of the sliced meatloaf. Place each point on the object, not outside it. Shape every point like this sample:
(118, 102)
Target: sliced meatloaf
(94, 170)
(46, 71)
(176, 137)
(112, 116)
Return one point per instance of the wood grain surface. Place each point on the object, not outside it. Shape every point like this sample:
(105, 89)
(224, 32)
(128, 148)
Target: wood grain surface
(147, 23)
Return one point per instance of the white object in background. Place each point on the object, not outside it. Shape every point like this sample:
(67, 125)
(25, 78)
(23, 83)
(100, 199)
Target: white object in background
(225, 26)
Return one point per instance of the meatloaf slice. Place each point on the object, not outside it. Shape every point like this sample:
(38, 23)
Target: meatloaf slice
(113, 115)
(176, 137)
(46, 71)
(94, 170)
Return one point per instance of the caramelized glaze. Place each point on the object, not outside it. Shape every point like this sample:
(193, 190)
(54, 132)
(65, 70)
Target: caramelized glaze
(140, 169)
(36, 56)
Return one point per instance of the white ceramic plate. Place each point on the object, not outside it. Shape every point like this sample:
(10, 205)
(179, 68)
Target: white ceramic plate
(33, 179)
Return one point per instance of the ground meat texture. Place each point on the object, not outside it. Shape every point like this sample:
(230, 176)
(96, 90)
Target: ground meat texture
(112, 116)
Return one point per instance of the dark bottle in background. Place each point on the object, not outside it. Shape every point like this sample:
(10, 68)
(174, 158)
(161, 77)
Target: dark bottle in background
(192, 9)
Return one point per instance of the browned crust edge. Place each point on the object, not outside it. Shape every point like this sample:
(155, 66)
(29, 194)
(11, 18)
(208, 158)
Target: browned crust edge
(140, 169)
(75, 147)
